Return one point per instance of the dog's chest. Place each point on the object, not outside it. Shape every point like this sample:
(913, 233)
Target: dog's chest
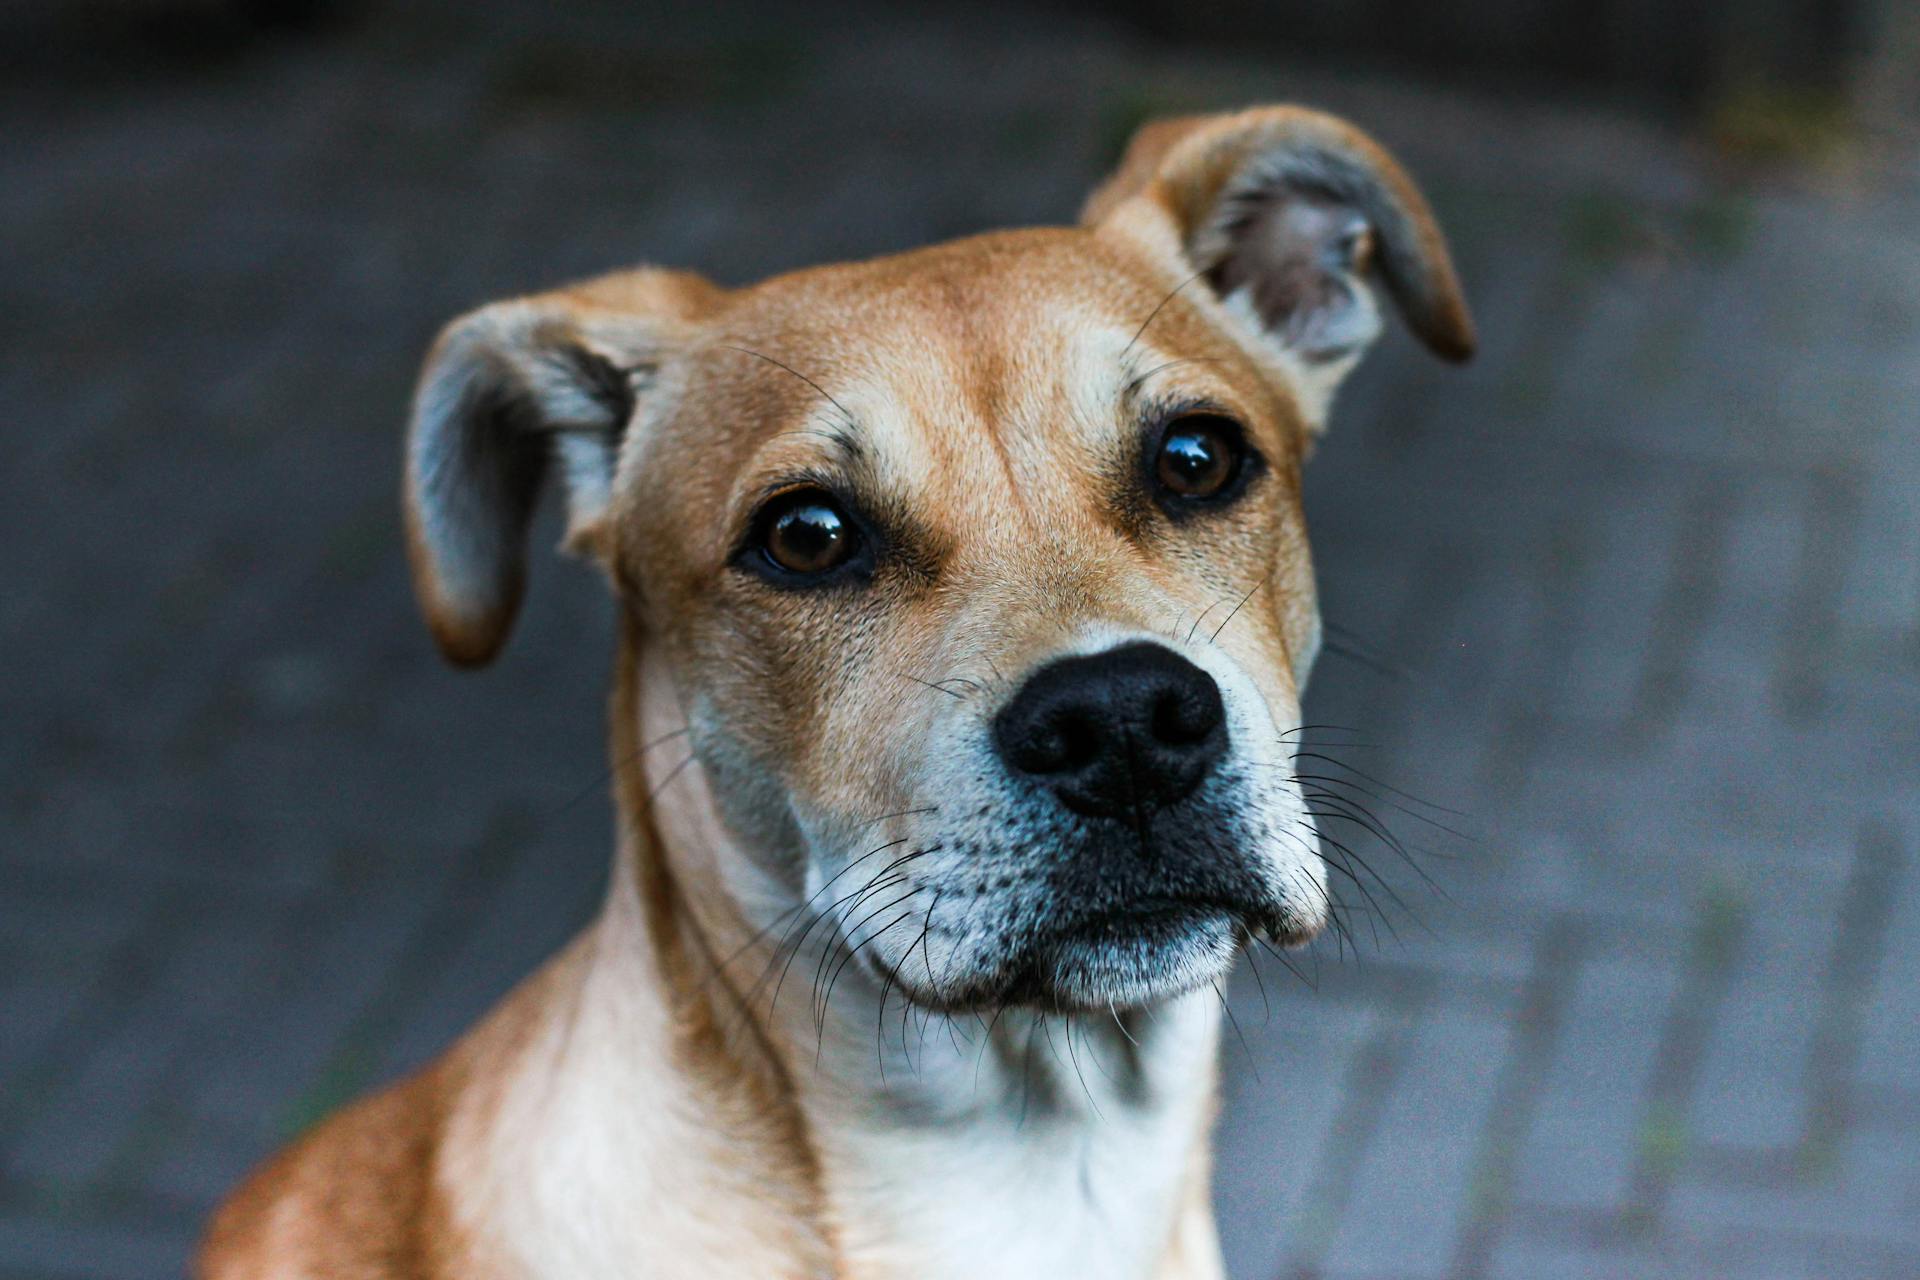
(1095, 1202)
(1068, 1173)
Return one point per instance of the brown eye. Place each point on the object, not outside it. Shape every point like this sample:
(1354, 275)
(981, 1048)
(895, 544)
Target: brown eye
(807, 533)
(1201, 455)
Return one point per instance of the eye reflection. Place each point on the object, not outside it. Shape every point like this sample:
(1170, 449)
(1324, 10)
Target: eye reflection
(1200, 456)
(807, 533)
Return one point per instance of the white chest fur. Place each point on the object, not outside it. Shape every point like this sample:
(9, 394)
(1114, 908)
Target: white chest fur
(1060, 1148)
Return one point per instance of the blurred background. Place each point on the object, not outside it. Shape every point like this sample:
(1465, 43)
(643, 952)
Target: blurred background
(1638, 592)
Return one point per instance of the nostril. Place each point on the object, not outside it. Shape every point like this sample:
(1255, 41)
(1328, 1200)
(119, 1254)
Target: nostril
(1079, 742)
(1065, 743)
(1182, 717)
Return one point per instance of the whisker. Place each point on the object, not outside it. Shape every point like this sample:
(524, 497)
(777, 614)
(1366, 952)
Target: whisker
(1312, 984)
(618, 765)
(986, 1043)
(1365, 819)
(880, 1026)
(1310, 728)
(881, 883)
(1384, 786)
(1374, 915)
(1266, 1010)
(1120, 1022)
(1203, 617)
(1252, 1064)
(1243, 602)
(1393, 895)
(800, 906)
(848, 942)
(1074, 1058)
(926, 948)
(794, 953)
(1360, 657)
(1330, 781)
(1156, 310)
(854, 951)
(796, 373)
(931, 685)
(1161, 368)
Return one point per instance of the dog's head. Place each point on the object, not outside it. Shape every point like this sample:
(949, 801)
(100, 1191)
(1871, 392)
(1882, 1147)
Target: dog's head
(980, 571)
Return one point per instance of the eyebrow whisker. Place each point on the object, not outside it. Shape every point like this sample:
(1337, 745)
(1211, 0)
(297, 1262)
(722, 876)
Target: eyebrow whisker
(796, 373)
(1156, 311)
(931, 685)
(1161, 368)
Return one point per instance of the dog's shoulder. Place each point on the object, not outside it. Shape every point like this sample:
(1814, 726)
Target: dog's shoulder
(352, 1200)
(366, 1194)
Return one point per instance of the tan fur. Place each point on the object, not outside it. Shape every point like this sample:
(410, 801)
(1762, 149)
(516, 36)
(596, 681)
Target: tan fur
(640, 1098)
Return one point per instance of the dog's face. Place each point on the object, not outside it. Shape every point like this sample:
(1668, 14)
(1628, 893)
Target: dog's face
(1002, 624)
(980, 572)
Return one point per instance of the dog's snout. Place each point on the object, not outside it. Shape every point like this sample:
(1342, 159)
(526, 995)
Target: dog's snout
(1132, 728)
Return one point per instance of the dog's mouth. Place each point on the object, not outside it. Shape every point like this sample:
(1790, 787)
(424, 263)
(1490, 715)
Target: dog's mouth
(1089, 920)
(1150, 922)
(1147, 950)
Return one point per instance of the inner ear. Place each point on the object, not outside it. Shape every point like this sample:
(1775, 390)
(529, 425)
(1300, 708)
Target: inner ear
(510, 394)
(605, 383)
(1293, 214)
(588, 457)
(1299, 259)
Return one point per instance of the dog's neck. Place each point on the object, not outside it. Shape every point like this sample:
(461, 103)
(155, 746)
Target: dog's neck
(867, 1136)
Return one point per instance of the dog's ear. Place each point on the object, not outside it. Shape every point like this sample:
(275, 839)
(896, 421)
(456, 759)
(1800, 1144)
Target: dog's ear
(508, 392)
(1287, 214)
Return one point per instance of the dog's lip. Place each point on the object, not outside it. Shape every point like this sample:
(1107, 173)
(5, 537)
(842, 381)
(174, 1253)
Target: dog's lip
(1144, 931)
(1127, 922)
(1137, 951)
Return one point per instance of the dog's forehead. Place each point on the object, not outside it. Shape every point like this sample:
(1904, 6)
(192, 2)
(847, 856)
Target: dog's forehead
(1022, 341)
(968, 288)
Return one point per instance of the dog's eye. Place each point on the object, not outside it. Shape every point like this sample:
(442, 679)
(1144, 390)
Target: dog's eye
(1201, 457)
(805, 532)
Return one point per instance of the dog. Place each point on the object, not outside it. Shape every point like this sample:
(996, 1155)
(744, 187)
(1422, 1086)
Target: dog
(965, 606)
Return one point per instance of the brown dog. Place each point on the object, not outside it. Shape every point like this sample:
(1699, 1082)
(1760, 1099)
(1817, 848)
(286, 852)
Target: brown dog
(966, 606)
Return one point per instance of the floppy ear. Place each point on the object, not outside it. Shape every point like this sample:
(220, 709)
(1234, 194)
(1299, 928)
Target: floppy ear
(507, 392)
(1288, 214)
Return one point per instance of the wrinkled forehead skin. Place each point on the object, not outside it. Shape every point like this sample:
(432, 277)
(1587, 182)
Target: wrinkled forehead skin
(984, 403)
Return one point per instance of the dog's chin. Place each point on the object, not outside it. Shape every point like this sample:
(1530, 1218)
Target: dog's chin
(1147, 953)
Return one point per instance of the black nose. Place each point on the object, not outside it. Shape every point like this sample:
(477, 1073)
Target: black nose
(1116, 733)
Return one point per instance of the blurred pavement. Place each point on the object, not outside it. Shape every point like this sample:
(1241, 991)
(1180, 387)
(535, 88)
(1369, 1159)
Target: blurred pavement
(1638, 592)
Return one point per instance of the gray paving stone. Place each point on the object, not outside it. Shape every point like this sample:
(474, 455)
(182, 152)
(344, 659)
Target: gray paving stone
(1623, 572)
(557, 884)
(1276, 1126)
(1866, 1192)
(1414, 1184)
(1751, 1093)
(1521, 1259)
(270, 1050)
(39, 1006)
(192, 1171)
(48, 1248)
(1591, 1115)
(1713, 1257)
(83, 1124)
(1890, 1044)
